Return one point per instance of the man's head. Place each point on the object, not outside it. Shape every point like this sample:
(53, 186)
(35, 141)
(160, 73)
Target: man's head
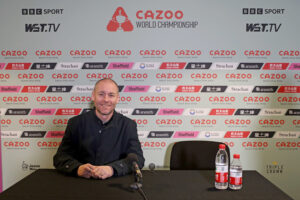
(105, 96)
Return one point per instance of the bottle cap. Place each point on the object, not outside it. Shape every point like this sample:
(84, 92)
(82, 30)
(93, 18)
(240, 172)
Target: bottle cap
(222, 146)
(236, 156)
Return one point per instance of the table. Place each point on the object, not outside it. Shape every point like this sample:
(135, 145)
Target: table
(48, 184)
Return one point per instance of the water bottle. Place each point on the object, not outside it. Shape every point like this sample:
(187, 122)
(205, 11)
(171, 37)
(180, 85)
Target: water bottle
(236, 173)
(221, 178)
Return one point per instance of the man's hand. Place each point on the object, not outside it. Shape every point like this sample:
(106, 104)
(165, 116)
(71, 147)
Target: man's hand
(102, 172)
(86, 170)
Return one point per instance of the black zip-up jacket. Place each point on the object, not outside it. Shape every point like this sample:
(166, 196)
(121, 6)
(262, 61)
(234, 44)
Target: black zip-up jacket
(88, 140)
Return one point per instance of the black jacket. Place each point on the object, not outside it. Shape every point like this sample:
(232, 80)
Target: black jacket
(88, 140)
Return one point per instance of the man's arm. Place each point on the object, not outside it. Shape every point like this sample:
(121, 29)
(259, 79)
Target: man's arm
(123, 167)
(64, 159)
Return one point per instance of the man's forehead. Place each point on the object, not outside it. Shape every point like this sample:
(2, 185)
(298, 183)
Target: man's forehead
(106, 86)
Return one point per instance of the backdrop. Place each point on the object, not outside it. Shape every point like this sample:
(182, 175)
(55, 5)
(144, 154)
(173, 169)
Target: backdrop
(188, 70)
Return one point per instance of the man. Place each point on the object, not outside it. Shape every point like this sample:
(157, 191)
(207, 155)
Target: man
(96, 143)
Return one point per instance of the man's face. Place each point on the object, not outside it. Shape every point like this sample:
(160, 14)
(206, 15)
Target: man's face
(105, 97)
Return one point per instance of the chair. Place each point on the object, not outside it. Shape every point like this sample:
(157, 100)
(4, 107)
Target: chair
(195, 155)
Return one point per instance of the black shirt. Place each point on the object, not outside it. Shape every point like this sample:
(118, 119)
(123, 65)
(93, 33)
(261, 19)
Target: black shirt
(88, 140)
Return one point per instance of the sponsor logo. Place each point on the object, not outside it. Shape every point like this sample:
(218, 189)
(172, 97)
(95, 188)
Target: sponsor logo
(68, 66)
(17, 111)
(211, 134)
(196, 111)
(289, 89)
(58, 121)
(16, 144)
(134, 76)
(169, 76)
(237, 134)
(152, 99)
(238, 76)
(263, 27)
(127, 111)
(221, 99)
(31, 167)
(99, 76)
(153, 145)
(221, 111)
(224, 66)
(293, 112)
(48, 53)
(48, 144)
(133, 88)
(186, 134)
(119, 21)
(187, 52)
(250, 66)
(18, 66)
(49, 99)
(288, 99)
(146, 65)
(247, 112)
(43, 66)
(160, 134)
(141, 122)
(289, 53)
(222, 53)
(15, 99)
(42, 27)
(152, 53)
(239, 89)
(10, 89)
(287, 134)
(214, 88)
(261, 11)
(163, 88)
(257, 53)
(11, 134)
(64, 76)
(198, 65)
(272, 76)
(262, 134)
(121, 65)
(275, 66)
(237, 122)
(170, 111)
(14, 53)
(34, 89)
(30, 76)
(55, 134)
(274, 168)
(271, 122)
(204, 76)
(59, 89)
(33, 134)
(188, 88)
(265, 89)
(287, 145)
(68, 111)
(117, 53)
(168, 122)
(32, 122)
(82, 89)
(81, 99)
(145, 111)
(95, 65)
(255, 145)
(187, 99)
(172, 65)
(295, 66)
(203, 122)
(82, 53)
(40, 11)
(42, 111)
(272, 112)
(256, 99)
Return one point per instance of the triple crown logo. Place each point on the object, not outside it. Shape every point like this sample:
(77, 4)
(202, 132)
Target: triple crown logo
(119, 21)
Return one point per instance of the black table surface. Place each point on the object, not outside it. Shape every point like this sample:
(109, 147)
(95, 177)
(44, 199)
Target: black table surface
(46, 184)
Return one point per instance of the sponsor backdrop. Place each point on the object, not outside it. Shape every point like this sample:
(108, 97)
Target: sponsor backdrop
(193, 70)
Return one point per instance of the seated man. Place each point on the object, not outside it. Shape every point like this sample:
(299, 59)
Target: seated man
(96, 143)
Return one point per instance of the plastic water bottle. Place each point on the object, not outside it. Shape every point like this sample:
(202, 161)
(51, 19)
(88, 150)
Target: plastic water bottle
(236, 173)
(221, 178)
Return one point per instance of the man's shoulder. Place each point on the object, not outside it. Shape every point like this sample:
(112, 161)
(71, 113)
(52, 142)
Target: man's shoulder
(121, 117)
(82, 116)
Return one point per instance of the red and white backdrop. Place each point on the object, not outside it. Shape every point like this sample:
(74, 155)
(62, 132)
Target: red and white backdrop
(192, 70)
